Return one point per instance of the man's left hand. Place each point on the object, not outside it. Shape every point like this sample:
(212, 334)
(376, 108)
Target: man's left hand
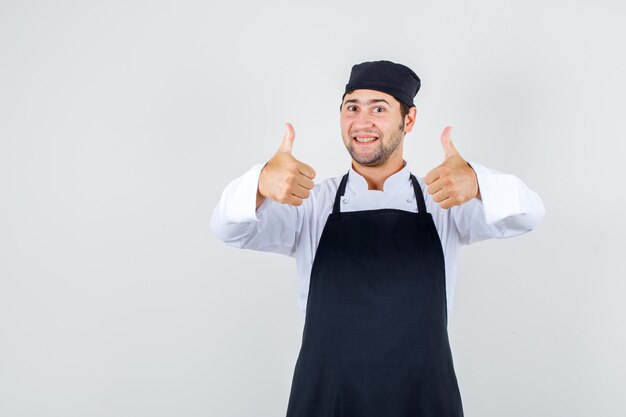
(453, 182)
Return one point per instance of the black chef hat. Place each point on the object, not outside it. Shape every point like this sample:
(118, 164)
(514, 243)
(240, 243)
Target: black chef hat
(394, 79)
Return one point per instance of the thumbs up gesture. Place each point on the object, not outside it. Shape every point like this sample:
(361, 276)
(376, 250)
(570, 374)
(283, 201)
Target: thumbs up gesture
(453, 182)
(284, 179)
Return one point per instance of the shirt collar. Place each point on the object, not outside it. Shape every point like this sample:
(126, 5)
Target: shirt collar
(359, 184)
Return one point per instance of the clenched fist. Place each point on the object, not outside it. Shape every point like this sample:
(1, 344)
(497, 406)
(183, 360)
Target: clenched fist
(453, 182)
(284, 179)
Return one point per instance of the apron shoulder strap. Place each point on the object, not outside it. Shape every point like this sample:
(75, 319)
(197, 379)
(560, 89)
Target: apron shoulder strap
(340, 192)
(419, 196)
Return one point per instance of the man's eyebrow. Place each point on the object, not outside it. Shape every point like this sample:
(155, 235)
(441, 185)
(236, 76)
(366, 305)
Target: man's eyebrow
(374, 100)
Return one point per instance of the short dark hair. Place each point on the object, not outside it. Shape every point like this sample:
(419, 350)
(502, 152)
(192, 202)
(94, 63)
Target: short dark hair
(404, 109)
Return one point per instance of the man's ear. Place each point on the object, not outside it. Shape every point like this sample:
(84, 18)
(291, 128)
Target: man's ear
(409, 119)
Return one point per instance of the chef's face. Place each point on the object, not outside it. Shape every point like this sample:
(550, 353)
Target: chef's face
(372, 127)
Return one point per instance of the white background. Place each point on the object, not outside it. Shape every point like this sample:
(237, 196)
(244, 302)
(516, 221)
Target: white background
(121, 122)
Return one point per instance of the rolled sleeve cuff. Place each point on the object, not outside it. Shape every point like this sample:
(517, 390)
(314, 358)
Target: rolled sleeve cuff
(243, 204)
(499, 193)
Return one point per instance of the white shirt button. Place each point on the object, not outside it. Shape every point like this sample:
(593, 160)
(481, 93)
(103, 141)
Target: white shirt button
(344, 201)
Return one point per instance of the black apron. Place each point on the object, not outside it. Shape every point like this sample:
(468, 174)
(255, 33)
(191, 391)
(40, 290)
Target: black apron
(375, 339)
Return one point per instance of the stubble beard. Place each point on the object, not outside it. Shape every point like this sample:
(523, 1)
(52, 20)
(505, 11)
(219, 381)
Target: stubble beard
(382, 152)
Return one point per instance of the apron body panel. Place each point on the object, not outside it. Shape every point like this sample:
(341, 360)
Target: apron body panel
(375, 340)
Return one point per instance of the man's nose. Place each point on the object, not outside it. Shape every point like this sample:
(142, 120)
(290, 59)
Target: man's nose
(364, 119)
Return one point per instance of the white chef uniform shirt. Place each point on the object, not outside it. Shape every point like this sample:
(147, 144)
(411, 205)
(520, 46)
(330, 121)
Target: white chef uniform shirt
(507, 208)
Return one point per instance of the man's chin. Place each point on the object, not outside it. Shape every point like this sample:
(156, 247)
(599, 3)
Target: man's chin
(368, 162)
(372, 160)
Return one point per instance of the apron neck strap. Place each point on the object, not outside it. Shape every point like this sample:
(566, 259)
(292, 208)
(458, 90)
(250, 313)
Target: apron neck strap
(421, 206)
(419, 196)
(340, 192)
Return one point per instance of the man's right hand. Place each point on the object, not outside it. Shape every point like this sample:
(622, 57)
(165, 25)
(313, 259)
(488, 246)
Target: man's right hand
(284, 179)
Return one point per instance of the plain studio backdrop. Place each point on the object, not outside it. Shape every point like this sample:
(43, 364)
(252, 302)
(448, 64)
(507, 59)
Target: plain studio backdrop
(122, 122)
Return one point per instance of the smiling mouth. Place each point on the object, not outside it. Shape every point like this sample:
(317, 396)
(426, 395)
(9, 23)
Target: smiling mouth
(364, 139)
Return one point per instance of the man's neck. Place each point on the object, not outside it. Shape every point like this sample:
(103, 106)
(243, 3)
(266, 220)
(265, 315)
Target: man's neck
(376, 176)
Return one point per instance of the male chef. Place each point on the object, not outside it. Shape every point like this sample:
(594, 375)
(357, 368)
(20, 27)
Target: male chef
(376, 251)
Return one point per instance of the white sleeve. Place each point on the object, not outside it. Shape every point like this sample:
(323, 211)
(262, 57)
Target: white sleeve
(271, 227)
(507, 208)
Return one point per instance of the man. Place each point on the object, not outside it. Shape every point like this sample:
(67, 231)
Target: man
(376, 252)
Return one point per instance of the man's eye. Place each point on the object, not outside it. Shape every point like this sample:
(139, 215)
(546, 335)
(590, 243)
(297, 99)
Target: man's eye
(379, 108)
(350, 108)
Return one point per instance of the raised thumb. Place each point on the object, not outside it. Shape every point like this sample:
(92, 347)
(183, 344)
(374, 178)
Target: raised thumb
(287, 143)
(446, 143)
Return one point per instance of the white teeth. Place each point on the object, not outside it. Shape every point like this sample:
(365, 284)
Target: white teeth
(364, 139)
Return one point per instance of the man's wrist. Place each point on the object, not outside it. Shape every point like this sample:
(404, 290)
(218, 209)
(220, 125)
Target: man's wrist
(477, 183)
(259, 196)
